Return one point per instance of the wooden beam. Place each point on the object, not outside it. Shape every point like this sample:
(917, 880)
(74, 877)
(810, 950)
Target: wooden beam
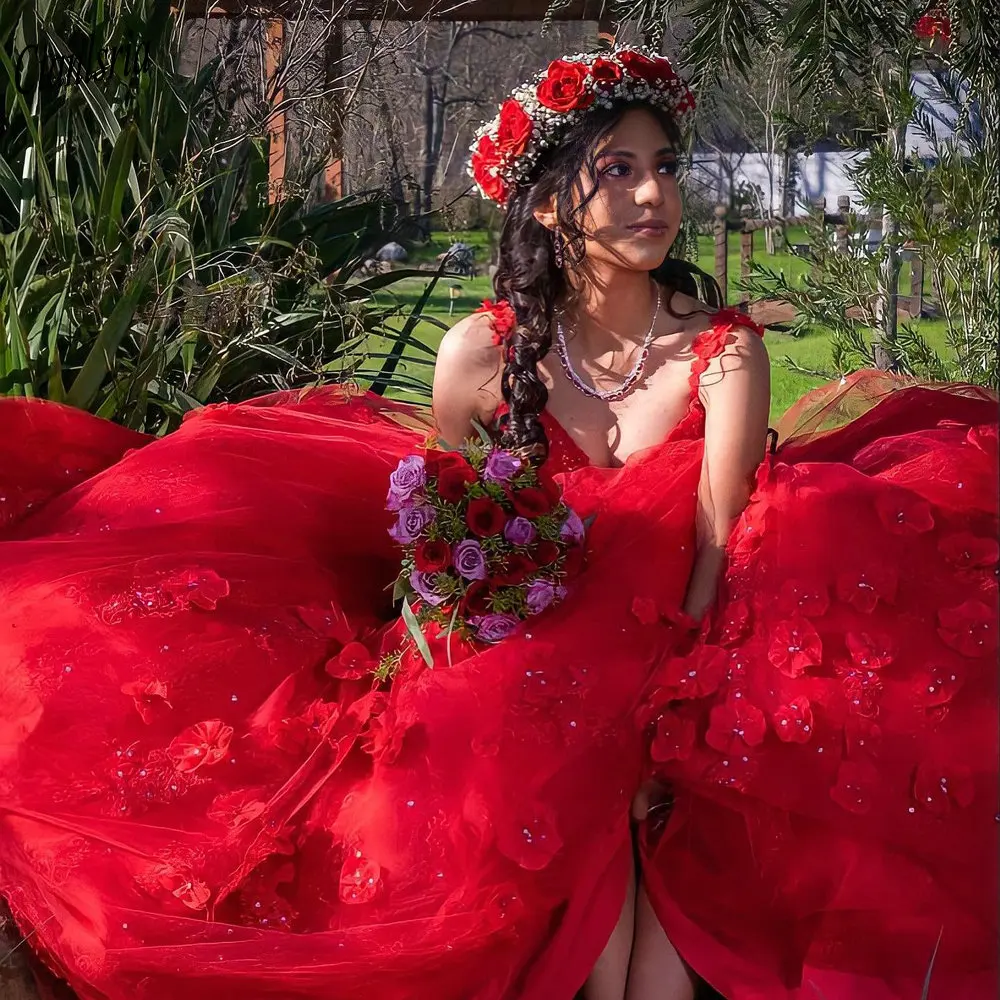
(607, 31)
(274, 44)
(397, 10)
(333, 173)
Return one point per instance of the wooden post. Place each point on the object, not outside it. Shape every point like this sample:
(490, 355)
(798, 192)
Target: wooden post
(819, 215)
(843, 229)
(333, 173)
(916, 284)
(274, 45)
(607, 32)
(721, 251)
(746, 255)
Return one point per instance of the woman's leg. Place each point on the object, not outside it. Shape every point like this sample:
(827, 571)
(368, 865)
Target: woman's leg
(610, 974)
(656, 971)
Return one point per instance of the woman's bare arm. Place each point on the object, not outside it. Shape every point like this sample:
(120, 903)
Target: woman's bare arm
(466, 379)
(736, 392)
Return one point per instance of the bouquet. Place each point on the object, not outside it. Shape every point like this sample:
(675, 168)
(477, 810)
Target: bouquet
(487, 542)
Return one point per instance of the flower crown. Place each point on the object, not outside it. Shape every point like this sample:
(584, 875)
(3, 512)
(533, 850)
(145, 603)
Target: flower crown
(538, 114)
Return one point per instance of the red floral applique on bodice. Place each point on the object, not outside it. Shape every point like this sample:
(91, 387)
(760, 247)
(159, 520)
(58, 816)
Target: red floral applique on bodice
(565, 455)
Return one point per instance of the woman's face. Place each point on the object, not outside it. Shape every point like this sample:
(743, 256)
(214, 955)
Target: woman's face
(635, 212)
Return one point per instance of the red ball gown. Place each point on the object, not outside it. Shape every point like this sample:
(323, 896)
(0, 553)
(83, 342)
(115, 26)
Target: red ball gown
(206, 792)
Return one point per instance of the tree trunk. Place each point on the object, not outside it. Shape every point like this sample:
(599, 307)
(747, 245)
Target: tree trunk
(430, 164)
(887, 304)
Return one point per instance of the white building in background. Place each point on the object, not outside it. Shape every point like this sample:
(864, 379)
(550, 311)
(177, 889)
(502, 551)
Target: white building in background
(824, 173)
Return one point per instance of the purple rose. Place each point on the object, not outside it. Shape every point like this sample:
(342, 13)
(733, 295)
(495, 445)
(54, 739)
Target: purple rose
(493, 628)
(573, 528)
(409, 477)
(423, 584)
(500, 466)
(467, 557)
(519, 531)
(541, 594)
(412, 520)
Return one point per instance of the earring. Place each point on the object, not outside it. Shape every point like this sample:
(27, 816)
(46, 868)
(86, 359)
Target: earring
(557, 247)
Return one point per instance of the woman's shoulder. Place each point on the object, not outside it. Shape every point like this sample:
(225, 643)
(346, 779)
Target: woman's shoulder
(722, 339)
(467, 372)
(477, 339)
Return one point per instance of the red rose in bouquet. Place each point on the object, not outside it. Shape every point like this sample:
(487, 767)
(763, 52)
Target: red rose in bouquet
(565, 87)
(517, 569)
(532, 502)
(432, 556)
(477, 599)
(546, 553)
(485, 517)
(453, 478)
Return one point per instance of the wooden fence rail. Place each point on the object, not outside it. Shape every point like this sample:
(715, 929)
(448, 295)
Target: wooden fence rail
(840, 221)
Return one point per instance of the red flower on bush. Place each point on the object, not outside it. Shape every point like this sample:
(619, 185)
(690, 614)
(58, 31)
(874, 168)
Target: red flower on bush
(453, 478)
(934, 24)
(484, 517)
(650, 70)
(532, 502)
(432, 556)
(514, 129)
(565, 87)
(606, 73)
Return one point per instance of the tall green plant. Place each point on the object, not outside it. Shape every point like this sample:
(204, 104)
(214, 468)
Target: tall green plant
(143, 270)
(852, 61)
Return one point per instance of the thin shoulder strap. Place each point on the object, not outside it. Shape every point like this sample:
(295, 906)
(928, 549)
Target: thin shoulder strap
(712, 342)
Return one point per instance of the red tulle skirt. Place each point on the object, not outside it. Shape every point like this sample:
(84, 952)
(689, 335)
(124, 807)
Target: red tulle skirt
(204, 791)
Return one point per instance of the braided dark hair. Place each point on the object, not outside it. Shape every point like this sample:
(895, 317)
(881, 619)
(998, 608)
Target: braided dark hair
(528, 278)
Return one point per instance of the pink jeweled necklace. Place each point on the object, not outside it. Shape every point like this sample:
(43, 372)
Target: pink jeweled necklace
(609, 395)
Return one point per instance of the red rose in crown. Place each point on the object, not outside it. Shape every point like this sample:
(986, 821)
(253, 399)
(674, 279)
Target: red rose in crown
(538, 113)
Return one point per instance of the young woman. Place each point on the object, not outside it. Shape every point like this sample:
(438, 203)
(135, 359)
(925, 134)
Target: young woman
(205, 790)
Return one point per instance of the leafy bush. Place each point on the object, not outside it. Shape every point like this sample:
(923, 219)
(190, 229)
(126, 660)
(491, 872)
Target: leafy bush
(143, 269)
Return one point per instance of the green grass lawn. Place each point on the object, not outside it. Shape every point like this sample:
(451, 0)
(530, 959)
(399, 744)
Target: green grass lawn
(811, 351)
